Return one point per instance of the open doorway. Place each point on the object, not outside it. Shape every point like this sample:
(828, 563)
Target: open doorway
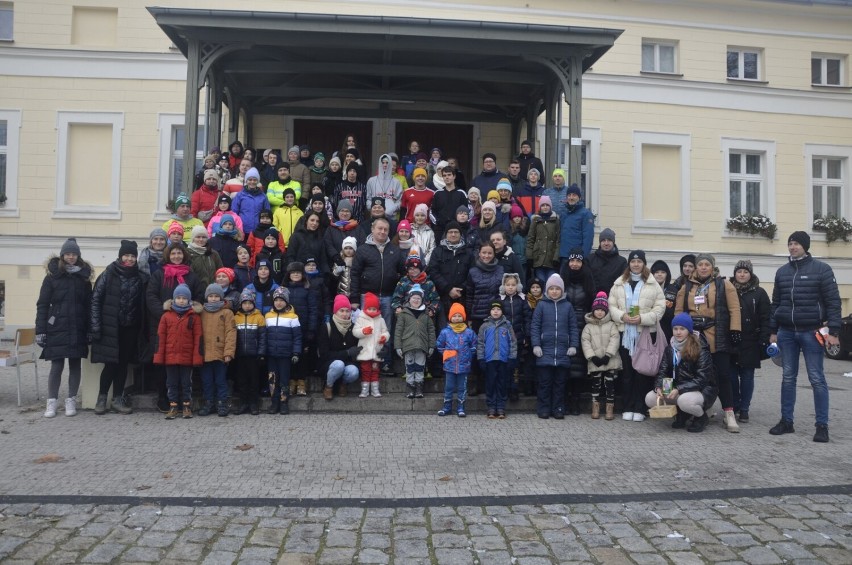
(455, 140)
(328, 136)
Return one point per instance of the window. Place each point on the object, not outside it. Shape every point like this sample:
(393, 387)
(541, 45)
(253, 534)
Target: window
(172, 139)
(828, 172)
(744, 63)
(749, 173)
(590, 158)
(827, 70)
(661, 182)
(10, 125)
(7, 20)
(658, 57)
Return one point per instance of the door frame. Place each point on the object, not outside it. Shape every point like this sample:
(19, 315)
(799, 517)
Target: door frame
(475, 136)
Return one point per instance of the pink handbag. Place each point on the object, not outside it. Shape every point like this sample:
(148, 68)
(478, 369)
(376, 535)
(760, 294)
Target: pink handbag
(650, 348)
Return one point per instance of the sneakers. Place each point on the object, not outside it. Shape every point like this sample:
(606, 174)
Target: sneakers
(173, 411)
(698, 424)
(222, 409)
(501, 415)
(627, 416)
(442, 412)
(821, 435)
(744, 416)
(492, 415)
(100, 405)
(461, 413)
(784, 427)
(638, 417)
(206, 408)
(558, 414)
(71, 406)
(187, 411)
(418, 390)
(730, 422)
(122, 405)
(50, 411)
(410, 394)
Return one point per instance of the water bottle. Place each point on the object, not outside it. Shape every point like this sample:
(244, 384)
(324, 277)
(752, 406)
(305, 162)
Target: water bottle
(772, 349)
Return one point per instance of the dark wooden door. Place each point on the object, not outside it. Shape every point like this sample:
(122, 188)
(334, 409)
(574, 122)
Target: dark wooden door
(328, 136)
(455, 140)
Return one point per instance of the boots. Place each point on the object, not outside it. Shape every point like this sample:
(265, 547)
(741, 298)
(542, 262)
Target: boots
(206, 408)
(410, 388)
(187, 410)
(680, 420)
(374, 389)
(222, 408)
(418, 390)
(365, 390)
(292, 387)
(610, 408)
(284, 408)
(698, 424)
(121, 405)
(100, 405)
(342, 390)
(328, 393)
(274, 404)
(596, 410)
(301, 390)
(173, 411)
(731, 422)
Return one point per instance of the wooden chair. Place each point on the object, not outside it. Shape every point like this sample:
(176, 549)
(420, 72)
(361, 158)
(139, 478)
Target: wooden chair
(25, 351)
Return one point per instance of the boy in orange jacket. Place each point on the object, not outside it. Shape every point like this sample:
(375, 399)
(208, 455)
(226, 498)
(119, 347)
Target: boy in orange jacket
(179, 349)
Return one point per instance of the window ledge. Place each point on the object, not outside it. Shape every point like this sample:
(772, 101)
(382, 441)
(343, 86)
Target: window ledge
(747, 81)
(661, 74)
(662, 230)
(3, 40)
(9, 212)
(831, 86)
(728, 234)
(86, 214)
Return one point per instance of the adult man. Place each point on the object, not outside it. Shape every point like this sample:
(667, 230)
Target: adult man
(606, 264)
(490, 175)
(417, 194)
(298, 171)
(269, 172)
(805, 298)
(446, 202)
(514, 176)
(377, 210)
(461, 181)
(275, 192)
(353, 190)
(507, 258)
(386, 187)
(305, 155)
(557, 192)
(376, 268)
(528, 160)
(448, 266)
(577, 225)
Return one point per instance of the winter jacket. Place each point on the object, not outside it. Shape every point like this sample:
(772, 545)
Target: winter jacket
(305, 244)
(118, 301)
(444, 206)
(255, 243)
(577, 226)
(218, 334)
(425, 239)
(226, 247)
(554, 329)
(277, 262)
(496, 341)
(305, 304)
(754, 317)
(543, 241)
(251, 333)
(579, 290)
(158, 292)
(652, 303)
(262, 294)
(371, 348)
(486, 181)
(464, 346)
(248, 205)
(285, 220)
(283, 334)
(511, 263)
(333, 237)
(385, 186)
(600, 338)
(518, 312)
(448, 267)
(804, 297)
(213, 224)
(301, 174)
(481, 289)
(179, 340)
(430, 296)
(203, 200)
(376, 271)
(607, 267)
(62, 310)
(529, 161)
(334, 346)
(205, 264)
(721, 306)
(413, 332)
(689, 376)
(275, 192)
(518, 243)
(186, 224)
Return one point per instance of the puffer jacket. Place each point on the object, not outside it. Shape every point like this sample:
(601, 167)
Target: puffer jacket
(496, 341)
(543, 241)
(698, 376)
(652, 303)
(226, 247)
(158, 292)
(577, 226)
(248, 205)
(251, 333)
(425, 239)
(805, 296)
(334, 346)
(413, 332)
(554, 329)
(306, 306)
(371, 348)
(464, 346)
(430, 297)
(721, 304)
(607, 267)
(449, 267)
(600, 338)
(218, 334)
(517, 310)
(118, 301)
(481, 289)
(283, 334)
(376, 271)
(179, 340)
(205, 264)
(754, 317)
(62, 310)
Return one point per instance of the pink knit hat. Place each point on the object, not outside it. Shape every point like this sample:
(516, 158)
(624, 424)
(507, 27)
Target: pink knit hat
(341, 301)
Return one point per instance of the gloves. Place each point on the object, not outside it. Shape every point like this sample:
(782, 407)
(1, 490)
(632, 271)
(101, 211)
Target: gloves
(41, 340)
(572, 351)
(353, 351)
(597, 361)
(736, 337)
(338, 270)
(368, 330)
(399, 352)
(431, 351)
(537, 351)
(605, 360)
(382, 340)
(294, 359)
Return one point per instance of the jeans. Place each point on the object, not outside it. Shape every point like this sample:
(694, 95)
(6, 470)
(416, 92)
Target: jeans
(791, 343)
(455, 383)
(179, 383)
(214, 376)
(543, 273)
(337, 370)
(551, 390)
(279, 385)
(742, 383)
(496, 385)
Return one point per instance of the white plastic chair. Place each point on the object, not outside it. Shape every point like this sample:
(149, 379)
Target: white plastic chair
(25, 352)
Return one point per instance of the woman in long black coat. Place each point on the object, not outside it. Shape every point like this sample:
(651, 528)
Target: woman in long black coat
(118, 324)
(580, 292)
(62, 322)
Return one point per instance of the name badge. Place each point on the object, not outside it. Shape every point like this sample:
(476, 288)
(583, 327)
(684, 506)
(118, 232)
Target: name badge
(699, 299)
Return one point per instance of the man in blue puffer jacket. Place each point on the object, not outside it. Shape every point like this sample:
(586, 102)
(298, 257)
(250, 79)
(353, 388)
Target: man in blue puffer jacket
(577, 225)
(805, 299)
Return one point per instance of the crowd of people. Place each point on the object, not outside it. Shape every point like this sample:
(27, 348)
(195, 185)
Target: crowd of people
(277, 268)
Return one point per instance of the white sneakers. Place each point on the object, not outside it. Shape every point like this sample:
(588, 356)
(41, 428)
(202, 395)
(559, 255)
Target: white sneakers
(50, 412)
(638, 416)
(627, 416)
(71, 406)
(731, 422)
(633, 416)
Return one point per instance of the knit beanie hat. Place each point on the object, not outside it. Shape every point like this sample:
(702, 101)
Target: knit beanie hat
(225, 218)
(271, 232)
(462, 210)
(128, 247)
(574, 189)
(378, 201)
(800, 237)
(491, 156)
(294, 149)
(175, 227)
(262, 263)
(247, 296)
(416, 289)
(545, 200)
(576, 253)
(558, 171)
(705, 257)
(182, 199)
(688, 258)
(496, 304)
(457, 308)
(70, 246)
(637, 254)
(516, 212)
(252, 174)
(335, 159)
(452, 225)
(199, 230)
(281, 292)
(489, 204)
(304, 147)
(288, 192)
(228, 273)
(683, 320)
(493, 194)
(474, 190)
(296, 267)
(341, 301)
(210, 174)
(403, 225)
(156, 232)
(600, 302)
(211, 289)
(182, 290)
(504, 184)
(371, 301)
(414, 262)
(422, 209)
(319, 155)
(317, 198)
(344, 204)
(349, 242)
(282, 165)
(418, 171)
(744, 264)
(536, 172)
(555, 280)
(607, 233)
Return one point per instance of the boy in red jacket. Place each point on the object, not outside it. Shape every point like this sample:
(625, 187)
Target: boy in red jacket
(179, 349)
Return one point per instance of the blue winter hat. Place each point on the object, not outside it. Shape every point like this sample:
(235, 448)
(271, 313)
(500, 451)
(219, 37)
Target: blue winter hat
(227, 218)
(182, 290)
(574, 189)
(416, 289)
(684, 320)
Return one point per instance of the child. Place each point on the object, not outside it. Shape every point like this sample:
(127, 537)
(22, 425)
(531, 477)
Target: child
(283, 347)
(600, 346)
(230, 294)
(272, 253)
(287, 215)
(457, 345)
(220, 344)
(555, 339)
(255, 240)
(414, 337)
(415, 275)
(496, 350)
(372, 334)
(535, 293)
(520, 227)
(343, 265)
(226, 240)
(304, 302)
(179, 349)
(542, 248)
(175, 233)
(528, 381)
(251, 345)
(404, 239)
(422, 234)
(223, 206)
(243, 271)
(262, 286)
(518, 312)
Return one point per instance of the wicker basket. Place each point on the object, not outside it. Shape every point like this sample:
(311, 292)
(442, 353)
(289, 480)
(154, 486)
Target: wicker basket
(663, 410)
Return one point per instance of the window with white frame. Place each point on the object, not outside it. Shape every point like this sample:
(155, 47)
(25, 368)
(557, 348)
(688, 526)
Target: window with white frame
(7, 20)
(828, 172)
(590, 156)
(744, 63)
(828, 70)
(10, 125)
(749, 173)
(172, 141)
(659, 56)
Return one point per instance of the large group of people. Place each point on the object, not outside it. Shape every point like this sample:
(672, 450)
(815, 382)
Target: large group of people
(277, 268)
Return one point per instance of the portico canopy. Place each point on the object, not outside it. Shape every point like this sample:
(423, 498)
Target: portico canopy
(391, 67)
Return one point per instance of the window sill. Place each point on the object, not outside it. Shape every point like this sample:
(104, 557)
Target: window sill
(831, 87)
(86, 214)
(728, 234)
(746, 81)
(662, 230)
(6, 40)
(660, 74)
(9, 212)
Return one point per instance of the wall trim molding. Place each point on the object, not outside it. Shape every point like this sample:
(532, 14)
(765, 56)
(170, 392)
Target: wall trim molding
(75, 63)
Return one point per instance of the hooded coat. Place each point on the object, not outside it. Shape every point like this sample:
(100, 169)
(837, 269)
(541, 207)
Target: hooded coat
(554, 329)
(62, 310)
(384, 185)
(600, 338)
(607, 267)
(118, 300)
(543, 241)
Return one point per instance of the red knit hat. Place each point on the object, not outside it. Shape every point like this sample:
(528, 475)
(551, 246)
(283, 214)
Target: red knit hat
(371, 301)
(600, 302)
(341, 301)
(228, 272)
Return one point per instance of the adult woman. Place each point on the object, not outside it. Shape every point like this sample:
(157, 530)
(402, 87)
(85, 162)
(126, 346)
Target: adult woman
(203, 260)
(338, 349)
(62, 322)
(636, 301)
(349, 142)
(482, 287)
(307, 242)
(754, 316)
(152, 256)
(714, 306)
(333, 177)
(339, 230)
(117, 320)
(580, 292)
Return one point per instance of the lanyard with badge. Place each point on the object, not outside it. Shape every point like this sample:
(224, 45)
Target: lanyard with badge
(701, 295)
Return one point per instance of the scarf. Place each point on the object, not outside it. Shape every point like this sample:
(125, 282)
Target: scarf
(262, 286)
(127, 271)
(419, 279)
(532, 300)
(213, 306)
(676, 348)
(200, 249)
(181, 309)
(458, 327)
(158, 255)
(319, 170)
(71, 269)
(173, 275)
(346, 225)
(407, 244)
(576, 276)
(631, 331)
(438, 181)
(222, 231)
(452, 246)
(341, 324)
(487, 267)
(744, 288)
